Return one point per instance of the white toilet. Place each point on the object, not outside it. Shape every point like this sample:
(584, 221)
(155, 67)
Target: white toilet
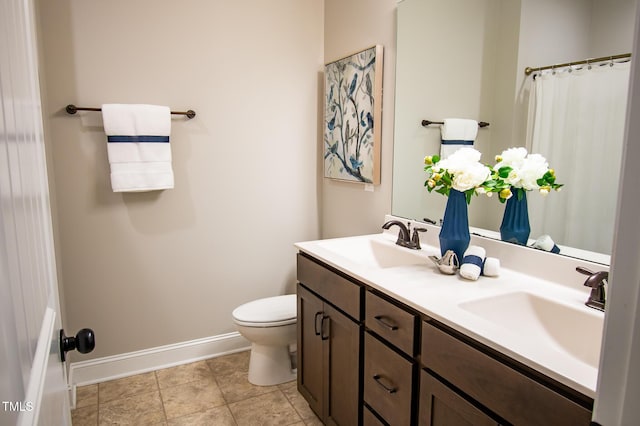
(270, 325)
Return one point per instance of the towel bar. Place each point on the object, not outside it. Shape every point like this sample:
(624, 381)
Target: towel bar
(72, 109)
(425, 123)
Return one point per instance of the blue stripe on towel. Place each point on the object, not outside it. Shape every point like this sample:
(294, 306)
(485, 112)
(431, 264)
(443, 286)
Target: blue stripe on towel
(153, 139)
(473, 259)
(455, 142)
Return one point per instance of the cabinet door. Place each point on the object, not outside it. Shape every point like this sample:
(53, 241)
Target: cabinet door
(370, 419)
(342, 342)
(310, 357)
(441, 406)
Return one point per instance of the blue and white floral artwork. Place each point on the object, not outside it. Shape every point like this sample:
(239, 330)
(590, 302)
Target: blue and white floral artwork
(353, 88)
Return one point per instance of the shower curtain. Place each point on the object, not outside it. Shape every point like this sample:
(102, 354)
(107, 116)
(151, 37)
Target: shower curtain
(577, 121)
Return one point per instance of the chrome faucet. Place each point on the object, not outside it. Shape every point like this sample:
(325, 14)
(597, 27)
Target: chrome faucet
(597, 281)
(404, 238)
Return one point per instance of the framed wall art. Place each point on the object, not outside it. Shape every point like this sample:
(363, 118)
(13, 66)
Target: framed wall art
(352, 117)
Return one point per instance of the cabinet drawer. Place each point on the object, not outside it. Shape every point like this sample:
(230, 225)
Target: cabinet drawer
(505, 391)
(390, 322)
(387, 381)
(338, 290)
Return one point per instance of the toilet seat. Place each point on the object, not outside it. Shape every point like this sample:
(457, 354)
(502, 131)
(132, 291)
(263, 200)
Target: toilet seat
(268, 312)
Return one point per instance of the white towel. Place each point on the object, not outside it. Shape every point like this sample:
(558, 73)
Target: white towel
(138, 146)
(455, 134)
(472, 261)
(545, 242)
(491, 267)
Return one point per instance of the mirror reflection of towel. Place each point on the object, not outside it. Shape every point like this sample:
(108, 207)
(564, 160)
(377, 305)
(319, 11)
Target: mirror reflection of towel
(455, 134)
(138, 146)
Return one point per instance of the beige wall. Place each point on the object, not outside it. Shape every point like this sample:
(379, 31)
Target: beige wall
(149, 269)
(351, 26)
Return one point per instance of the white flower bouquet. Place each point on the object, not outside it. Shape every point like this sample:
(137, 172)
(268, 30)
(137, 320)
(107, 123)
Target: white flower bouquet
(461, 171)
(516, 169)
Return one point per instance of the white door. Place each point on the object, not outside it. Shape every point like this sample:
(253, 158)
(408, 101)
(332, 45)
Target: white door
(33, 388)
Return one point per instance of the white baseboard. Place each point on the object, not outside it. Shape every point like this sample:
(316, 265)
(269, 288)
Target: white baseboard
(128, 364)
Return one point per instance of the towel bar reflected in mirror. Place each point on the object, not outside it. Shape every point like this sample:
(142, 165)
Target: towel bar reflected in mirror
(425, 123)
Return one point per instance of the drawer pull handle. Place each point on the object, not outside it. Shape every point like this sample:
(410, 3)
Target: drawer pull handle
(380, 319)
(322, 336)
(378, 380)
(315, 323)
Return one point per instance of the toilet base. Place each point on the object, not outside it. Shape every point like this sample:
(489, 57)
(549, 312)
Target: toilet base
(270, 365)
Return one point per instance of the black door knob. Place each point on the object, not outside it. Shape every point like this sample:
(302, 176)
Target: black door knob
(84, 342)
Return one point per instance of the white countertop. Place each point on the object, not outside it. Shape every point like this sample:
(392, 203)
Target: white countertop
(439, 296)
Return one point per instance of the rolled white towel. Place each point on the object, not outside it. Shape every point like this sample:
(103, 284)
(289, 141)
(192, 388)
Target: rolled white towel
(544, 242)
(491, 267)
(472, 261)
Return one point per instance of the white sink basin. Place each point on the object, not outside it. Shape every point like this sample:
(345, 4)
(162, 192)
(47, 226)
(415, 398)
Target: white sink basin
(575, 331)
(374, 253)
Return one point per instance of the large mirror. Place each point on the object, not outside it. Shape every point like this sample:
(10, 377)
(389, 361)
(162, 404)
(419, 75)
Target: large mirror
(466, 59)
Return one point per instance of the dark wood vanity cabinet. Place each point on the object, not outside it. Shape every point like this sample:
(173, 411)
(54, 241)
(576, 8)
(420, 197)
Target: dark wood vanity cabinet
(365, 358)
(329, 343)
(493, 386)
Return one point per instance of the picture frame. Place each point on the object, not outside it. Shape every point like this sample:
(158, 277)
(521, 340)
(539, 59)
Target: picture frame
(353, 117)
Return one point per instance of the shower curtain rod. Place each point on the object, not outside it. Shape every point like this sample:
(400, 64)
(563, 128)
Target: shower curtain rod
(529, 70)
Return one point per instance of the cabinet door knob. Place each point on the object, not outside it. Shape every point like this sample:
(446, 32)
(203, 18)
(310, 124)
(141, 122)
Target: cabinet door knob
(84, 341)
(386, 324)
(390, 389)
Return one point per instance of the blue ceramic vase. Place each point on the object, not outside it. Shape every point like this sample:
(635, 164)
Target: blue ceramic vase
(515, 222)
(454, 234)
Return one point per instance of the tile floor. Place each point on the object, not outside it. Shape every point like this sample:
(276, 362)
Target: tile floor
(210, 392)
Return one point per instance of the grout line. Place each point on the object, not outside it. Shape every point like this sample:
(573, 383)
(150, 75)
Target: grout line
(226, 403)
(98, 408)
(291, 402)
(164, 410)
(232, 416)
(300, 419)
